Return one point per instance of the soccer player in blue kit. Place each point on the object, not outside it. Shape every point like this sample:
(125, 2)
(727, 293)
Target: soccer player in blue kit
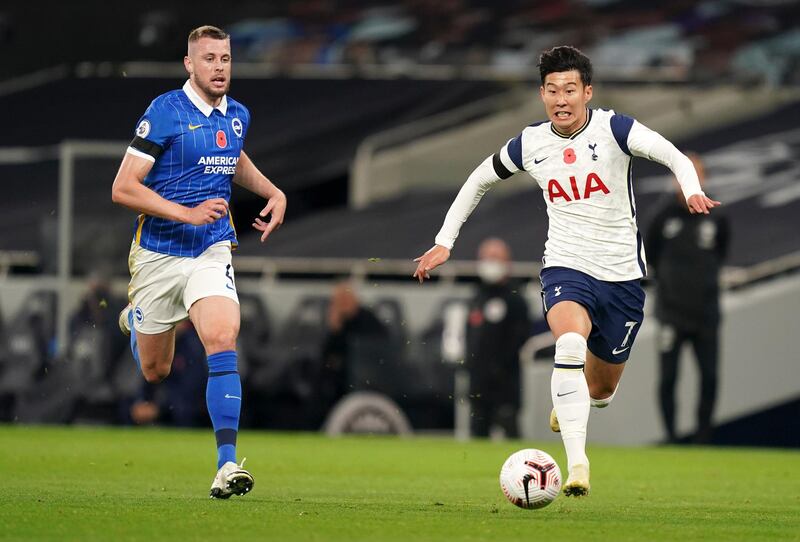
(177, 173)
(593, 258)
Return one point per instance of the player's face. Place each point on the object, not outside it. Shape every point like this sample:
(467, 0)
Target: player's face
(565, 98)
(209, 67)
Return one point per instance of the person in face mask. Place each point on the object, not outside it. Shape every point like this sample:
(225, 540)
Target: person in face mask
(497, 326)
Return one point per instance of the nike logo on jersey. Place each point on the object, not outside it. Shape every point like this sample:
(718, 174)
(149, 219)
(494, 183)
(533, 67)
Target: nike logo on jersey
(195, 126)
(617, 352)
(536, 161)
(232, 397)
(568, 393)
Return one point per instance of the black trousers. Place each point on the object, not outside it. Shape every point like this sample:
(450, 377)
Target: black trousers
(705, 343)
(489, 411)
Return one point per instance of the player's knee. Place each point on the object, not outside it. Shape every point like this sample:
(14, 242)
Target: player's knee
(602, 391)
(222, 339)
(155, 373)
(570, 350)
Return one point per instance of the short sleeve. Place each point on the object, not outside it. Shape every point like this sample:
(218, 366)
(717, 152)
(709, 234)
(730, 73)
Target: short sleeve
(508, 160)
(153, 132)
(621, 128)
(514, 150)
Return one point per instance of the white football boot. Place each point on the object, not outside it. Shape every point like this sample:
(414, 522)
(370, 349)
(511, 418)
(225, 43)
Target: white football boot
(231, 479)
(554, 426)
(577, 482)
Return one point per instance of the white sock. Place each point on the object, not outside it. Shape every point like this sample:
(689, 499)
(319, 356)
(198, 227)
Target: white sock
(570, 395)
(603, 403)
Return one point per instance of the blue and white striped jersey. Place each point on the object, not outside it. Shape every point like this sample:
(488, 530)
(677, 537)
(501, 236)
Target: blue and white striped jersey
(195, 148)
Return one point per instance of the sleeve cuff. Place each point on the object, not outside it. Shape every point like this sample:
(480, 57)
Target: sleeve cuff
(445, 242)
(141, 154)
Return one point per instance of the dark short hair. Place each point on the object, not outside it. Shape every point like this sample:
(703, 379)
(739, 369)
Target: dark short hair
(207, 31)
(565, 58)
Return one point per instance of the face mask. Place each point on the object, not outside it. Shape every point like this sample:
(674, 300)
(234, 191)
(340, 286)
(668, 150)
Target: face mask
(492, 271)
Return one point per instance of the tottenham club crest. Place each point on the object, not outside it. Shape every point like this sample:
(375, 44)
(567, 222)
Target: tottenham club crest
(143, 129)
(236, 124)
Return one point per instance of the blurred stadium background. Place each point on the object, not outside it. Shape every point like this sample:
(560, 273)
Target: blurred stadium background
(369, 115)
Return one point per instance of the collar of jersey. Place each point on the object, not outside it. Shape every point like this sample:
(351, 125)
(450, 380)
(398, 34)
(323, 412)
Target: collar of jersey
(579, 132)
(198, 102)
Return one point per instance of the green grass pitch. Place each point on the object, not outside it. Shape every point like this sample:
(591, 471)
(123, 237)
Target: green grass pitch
(148, 484)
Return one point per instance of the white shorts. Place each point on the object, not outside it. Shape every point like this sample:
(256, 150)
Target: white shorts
(164, 287)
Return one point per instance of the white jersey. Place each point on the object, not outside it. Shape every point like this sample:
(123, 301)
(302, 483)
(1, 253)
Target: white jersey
(586, 183)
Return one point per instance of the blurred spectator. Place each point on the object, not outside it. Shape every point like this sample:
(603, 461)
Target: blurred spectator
(180, 399)
(97, 307)
(348, 323)
(39, 319)
(28, 350)
(96, 316)
(686, 250)
(497, 326)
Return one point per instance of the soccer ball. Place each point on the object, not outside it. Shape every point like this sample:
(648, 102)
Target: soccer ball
(530, 478)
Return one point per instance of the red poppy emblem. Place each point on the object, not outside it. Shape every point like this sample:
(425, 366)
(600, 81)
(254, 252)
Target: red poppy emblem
(569, 156)
(222, 140)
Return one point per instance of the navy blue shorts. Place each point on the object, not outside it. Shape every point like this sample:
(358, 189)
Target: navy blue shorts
(616, 308)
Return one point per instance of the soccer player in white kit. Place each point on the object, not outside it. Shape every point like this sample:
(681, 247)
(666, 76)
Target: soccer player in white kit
(593, 258)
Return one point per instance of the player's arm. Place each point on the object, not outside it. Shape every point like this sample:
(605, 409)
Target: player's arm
(486, 175)
(646, 143)
(248, 176)
(129, 190)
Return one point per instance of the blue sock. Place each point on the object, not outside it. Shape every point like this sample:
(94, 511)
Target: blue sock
(224, 401)
(134, 345)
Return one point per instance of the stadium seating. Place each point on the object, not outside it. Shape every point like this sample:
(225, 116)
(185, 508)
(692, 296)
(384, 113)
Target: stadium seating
(686, 40)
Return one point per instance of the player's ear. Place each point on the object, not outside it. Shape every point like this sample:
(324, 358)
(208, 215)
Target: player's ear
(588, 93)
(541, 92)
(187, 63)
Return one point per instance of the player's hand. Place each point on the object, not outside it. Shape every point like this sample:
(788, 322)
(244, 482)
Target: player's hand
(429, 261)
(207, 212)
(275, 209)
(700, 203)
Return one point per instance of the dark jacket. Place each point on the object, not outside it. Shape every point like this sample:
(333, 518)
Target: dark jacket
(497, 327)
(338, 349)
(686, 251)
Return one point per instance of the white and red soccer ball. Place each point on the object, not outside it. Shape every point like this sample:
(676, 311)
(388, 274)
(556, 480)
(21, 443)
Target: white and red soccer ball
(530, 478)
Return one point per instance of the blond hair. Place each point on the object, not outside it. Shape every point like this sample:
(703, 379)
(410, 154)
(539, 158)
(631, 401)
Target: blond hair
(207, 31)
